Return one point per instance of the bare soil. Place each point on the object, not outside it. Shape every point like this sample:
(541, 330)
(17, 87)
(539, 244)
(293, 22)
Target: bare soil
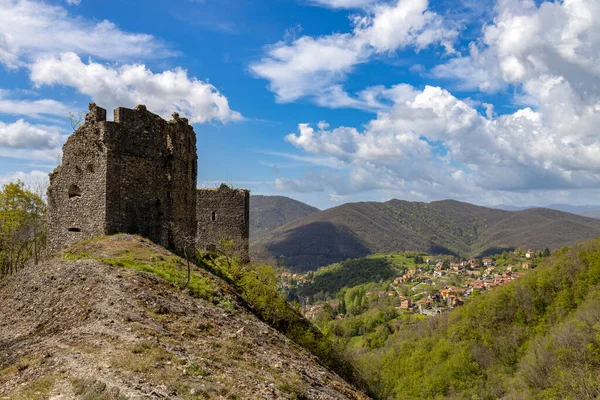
(87, 330)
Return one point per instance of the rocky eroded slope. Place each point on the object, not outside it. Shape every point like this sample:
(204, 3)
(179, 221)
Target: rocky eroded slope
(88, 325)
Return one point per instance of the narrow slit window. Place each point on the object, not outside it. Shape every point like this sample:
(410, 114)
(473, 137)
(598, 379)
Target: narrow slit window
(213, 217)
(74, 230)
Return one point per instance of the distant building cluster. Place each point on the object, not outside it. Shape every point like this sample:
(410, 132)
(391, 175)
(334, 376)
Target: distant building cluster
(429, 290)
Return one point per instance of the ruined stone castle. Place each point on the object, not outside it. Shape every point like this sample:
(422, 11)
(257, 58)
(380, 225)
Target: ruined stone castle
(138, 175)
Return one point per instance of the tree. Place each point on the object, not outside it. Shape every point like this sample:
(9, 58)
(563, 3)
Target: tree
(77, 120)
(22, 233)
(355, 300)
(186, 242)
(546, 252)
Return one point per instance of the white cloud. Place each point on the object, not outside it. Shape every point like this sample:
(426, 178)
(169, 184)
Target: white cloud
(29, 29)
(23, 135)
(433, 145)
(315, 66)
(406, 23)
(430, 145)
(31, 108)
(132, 84)
(24, 140)
(33, 180)
(530, 46)
(308, 65)
(73, 2)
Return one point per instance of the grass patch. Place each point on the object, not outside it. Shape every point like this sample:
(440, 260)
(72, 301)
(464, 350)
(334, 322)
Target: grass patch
(36, 390)
(138, 254)
(294, 388)
(398, 260)
(10, 371)
(143, 357)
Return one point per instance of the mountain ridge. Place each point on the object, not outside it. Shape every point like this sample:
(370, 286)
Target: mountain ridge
(569, 208)
(446, 226)
(270, 212)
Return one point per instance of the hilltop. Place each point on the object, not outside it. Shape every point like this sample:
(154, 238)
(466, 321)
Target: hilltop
(271, 212)
(440, 227)
(109, 320)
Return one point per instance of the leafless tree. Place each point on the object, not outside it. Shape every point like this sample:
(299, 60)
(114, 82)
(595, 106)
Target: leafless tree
(77, 120)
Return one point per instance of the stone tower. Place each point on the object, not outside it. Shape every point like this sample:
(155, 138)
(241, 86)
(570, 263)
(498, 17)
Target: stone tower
(134, 175)
(223, 213)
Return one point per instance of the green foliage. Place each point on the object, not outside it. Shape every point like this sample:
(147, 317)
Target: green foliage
(270, 212)
(538, 337)
(258, 284)
(355, 300)
(135, 256)
(22, 234)
(329, 280)
(440, 227)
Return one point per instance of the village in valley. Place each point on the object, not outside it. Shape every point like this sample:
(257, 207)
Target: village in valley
(425, 285)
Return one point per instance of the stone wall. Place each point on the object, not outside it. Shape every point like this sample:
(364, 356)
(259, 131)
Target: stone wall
(77, 191)
(223, 213)
(138, 175)
(134, 175)
(151, 177)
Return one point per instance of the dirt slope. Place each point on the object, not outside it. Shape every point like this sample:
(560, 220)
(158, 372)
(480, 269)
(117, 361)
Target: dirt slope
(86, 329)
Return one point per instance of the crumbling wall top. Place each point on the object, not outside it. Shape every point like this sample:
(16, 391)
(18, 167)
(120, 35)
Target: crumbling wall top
(226, 188)
(96, 114)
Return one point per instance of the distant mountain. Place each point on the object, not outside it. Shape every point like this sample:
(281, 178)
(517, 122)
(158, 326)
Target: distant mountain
(440, 227)
(510, 207)
(579, 210)
(270, 212)
(592, 214)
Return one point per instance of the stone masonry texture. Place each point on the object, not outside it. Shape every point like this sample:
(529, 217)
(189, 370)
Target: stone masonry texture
(223, 213)
(134, 175)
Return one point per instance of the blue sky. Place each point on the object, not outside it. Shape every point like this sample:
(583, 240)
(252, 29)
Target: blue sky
(326, 101)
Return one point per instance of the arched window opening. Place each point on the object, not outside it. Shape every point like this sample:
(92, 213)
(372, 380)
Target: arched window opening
(213, 217)
(74, 192)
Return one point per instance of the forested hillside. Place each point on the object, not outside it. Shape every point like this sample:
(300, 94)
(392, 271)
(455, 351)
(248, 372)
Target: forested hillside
(441, 227)
(270, 212)
(536, 338)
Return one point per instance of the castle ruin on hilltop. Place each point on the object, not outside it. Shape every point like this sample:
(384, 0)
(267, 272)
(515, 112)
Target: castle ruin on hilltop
(138, 175)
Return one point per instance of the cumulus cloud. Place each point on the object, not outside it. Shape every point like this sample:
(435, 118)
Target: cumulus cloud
(431, 143)
(29, 29)
(315, 66)
(31, 107)
(132, 84)
(532, 47)
(23, 135)
(24, 140)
